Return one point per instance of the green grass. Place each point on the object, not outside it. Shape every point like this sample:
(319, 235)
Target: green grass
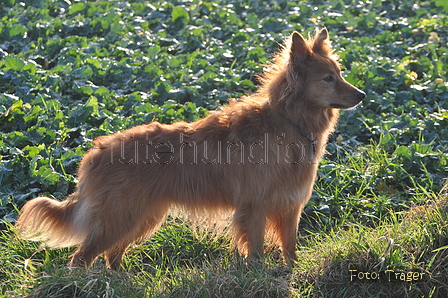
(405, 252)
(71, 71)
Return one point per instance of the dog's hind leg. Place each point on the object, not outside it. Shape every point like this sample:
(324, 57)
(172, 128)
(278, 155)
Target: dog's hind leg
(112, 237)
(249, 230)
(94, 245)
(114, 255)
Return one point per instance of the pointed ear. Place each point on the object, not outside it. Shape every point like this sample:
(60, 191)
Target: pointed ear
(322, 35)
(299, 48)
(322, 43)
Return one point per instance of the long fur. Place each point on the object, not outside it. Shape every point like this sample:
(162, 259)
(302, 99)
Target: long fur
(256, 158)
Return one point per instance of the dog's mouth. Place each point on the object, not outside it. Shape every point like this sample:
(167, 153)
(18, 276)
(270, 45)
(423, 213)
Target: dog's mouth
(344, 107)
(338, 106)
(353, 102)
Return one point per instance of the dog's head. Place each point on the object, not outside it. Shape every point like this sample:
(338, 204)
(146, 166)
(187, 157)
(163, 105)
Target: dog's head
(314, 69)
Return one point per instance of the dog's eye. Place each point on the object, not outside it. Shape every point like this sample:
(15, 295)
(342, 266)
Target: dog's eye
(328, 79)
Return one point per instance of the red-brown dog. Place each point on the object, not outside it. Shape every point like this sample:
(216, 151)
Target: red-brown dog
(257, 158)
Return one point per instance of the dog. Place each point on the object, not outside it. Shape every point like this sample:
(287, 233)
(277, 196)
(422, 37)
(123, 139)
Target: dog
(256, 158)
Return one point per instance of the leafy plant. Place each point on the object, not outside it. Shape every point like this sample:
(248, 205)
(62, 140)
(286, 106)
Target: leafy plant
(74, 70)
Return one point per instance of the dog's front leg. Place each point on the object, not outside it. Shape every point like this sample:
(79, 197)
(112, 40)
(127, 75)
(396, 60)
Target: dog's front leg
(249, 229)
(285, 224)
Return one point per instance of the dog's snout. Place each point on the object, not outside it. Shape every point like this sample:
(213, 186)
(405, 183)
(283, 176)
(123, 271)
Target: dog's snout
(361, 95)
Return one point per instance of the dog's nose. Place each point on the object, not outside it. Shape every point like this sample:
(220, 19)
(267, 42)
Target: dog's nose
(361, 95)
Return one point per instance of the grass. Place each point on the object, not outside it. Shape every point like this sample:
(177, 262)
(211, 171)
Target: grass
(73, 70)
(406, 253)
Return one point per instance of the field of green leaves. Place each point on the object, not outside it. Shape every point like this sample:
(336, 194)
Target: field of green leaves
(74, 70)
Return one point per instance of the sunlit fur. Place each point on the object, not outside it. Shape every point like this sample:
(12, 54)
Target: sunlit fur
(255, 159)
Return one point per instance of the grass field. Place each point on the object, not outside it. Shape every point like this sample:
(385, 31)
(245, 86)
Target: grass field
(377, 222)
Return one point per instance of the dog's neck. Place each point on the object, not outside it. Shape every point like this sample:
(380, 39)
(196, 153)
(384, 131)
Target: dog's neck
(312, 140)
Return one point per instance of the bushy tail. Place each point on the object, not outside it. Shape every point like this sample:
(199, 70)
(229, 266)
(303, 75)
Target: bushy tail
(50, 221)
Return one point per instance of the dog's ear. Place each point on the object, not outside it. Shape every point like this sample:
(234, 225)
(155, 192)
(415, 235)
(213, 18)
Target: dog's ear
(299, 48)
(322, 43)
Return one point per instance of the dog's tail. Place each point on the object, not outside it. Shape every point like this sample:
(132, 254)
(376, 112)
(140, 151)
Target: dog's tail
(51, 221)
